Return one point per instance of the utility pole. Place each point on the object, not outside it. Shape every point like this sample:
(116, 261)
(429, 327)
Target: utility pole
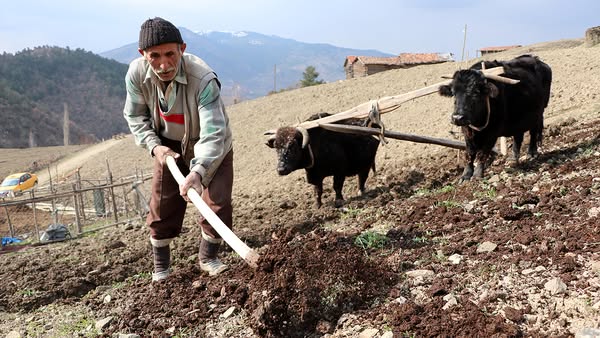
(275, 78)
(32, 142)
(66, 125)
(462, 58)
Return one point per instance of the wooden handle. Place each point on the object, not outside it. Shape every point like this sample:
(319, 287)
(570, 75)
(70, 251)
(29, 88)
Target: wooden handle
(249, 255)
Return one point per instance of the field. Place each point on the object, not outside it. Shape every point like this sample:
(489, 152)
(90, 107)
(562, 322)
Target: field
(515, 254)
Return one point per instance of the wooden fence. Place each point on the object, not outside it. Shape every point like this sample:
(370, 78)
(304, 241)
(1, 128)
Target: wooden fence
(84, 205)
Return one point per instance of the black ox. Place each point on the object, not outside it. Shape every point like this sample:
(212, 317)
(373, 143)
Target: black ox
(324, 153)
(487, 109)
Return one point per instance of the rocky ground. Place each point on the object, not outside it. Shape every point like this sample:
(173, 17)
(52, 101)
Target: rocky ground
(512, 255)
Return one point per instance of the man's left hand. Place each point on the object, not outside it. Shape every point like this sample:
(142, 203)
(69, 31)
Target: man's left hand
(192, 180)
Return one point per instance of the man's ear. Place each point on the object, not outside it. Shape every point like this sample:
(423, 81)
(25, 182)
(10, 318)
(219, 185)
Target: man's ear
(141, 51)
(182, 47)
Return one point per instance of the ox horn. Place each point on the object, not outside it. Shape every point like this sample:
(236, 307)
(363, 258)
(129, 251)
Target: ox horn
(305, 137)
(270, 132)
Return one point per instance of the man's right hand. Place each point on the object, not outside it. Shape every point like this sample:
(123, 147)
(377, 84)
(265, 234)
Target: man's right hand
(161, 153)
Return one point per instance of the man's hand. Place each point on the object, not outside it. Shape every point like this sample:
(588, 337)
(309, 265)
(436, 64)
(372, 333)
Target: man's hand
(161, 153)
(192, 180)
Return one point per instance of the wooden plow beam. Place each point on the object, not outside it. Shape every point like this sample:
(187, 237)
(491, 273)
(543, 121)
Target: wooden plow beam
(350, 129)
(391, 103)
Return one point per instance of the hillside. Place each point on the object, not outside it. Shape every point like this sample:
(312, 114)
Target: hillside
(36, 84)
(428, 278)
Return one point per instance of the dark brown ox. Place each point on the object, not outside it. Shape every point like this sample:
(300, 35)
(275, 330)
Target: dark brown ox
(322, 153)
(487, 109)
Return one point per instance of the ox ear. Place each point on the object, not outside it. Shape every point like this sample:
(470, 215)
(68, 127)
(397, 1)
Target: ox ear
(270, 142)
(492, 89)
(445, 90)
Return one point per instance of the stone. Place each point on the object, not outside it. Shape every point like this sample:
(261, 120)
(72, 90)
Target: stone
(455, 259)
(103, 323)
(420, 273)
(588, 332)
(555, 286)
(486, 247)
(228, 313)
(368, 333)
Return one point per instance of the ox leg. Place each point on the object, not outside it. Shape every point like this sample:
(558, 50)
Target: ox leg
(468, 171)
(485, 158)
(338, 184)
(318, 193)
(517, 142)
(534, 136)
(362, 180)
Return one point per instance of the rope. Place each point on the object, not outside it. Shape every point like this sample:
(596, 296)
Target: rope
(487, 102)
(487, 121)
(375, 118)
(312, 157)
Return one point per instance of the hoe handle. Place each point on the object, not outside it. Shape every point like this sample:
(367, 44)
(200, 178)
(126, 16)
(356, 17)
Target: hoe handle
(249, 255)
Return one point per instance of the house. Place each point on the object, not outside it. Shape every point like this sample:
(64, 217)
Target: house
(360, 66)
(489, 50)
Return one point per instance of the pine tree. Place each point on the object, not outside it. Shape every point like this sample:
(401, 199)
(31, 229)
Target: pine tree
(309, 77)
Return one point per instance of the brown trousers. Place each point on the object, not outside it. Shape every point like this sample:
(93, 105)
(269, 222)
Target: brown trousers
(167, 207)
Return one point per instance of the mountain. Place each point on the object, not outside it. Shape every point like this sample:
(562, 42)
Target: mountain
(36, 84)
(246, 62)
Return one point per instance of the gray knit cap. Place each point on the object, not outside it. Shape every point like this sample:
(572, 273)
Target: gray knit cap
(158, 31)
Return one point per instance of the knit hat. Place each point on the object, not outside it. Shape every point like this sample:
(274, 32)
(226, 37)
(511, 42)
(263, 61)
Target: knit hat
(158, 31)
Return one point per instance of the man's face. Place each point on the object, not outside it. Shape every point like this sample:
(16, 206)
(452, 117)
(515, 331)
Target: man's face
(164, 59)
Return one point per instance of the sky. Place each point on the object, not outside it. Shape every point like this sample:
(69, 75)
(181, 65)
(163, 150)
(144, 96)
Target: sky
(391, 26)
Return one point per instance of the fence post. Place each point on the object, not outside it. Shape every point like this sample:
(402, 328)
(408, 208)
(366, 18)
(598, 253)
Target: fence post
(76, 207)
(35, 223)
(125, 202)
(112, 192)
(81, 204)
(53, 203)
(10, 227)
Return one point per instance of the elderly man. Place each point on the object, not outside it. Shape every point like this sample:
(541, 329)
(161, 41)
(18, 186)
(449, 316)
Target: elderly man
(174, 108)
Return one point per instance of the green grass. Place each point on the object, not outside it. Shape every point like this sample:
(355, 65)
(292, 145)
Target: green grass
(488, 191)
(426, 192)
(371, 240)
(75, 329)
(27, 292)
(350, 212)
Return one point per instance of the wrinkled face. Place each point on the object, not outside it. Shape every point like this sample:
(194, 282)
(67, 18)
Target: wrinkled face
(470, 90)
(164, 59)
(288, 144)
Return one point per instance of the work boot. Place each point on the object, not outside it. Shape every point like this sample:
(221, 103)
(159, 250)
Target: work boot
(209, 262)
(162, 259)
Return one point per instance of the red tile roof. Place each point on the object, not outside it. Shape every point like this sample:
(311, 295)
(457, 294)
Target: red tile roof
(414, 58)
(400, 60)
(498, 48)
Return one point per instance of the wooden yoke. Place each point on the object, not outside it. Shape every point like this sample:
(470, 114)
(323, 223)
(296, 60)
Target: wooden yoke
(389, 103)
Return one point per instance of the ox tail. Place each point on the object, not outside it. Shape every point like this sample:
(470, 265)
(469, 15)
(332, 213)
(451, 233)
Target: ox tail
(373, 168)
